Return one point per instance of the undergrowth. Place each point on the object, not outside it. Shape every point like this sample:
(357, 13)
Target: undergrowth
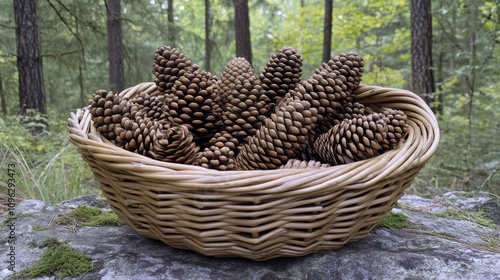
(468, 156)
(46, 165)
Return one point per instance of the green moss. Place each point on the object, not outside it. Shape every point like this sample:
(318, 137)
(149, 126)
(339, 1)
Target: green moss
(479, 217)
(85, 215)
(397, 221)
(59, 260)
(16, 216)
(40, 228)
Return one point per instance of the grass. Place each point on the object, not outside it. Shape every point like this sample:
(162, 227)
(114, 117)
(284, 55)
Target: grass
(47, 166)
(59, 259)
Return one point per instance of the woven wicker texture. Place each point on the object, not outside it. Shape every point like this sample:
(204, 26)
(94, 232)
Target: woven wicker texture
(259, 214)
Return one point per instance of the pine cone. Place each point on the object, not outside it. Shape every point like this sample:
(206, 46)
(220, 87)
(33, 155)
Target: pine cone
(174, 143)
(302, 164)
(360, 138)
(282, 73)
(331, 86)
(245, 102)
(348, 110)
(125, 123)
(154, 107)
(168, 65)
(221, 154)
(194, 102)
(229, 79)
(397, 128)
(283, 135)
(107, 109)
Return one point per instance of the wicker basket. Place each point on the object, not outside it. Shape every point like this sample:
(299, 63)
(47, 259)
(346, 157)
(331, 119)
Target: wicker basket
(259, 214)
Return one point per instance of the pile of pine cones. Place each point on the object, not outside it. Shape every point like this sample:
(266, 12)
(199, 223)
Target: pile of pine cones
(245, 121)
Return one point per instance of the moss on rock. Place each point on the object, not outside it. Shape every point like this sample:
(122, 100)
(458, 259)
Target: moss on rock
(60, 260)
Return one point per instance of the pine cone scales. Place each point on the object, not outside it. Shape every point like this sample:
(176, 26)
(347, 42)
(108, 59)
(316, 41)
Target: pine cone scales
(360, 138)
(154, 106)
(168, 65)
(284, 134)
(194, 102)
(282, 73)
(331, 86)
(221, 153)
(396, 128)
(107, 110)
(174, 143)
(245, 103)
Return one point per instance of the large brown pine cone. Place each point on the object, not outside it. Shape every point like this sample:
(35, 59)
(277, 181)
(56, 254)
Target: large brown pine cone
(282, 73)
(245, 103)
(331, 86)
(361, 137)
(282, 136)
(168, 65)
(194, 102)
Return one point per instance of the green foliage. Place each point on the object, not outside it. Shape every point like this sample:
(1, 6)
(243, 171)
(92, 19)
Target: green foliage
(468, 157)
(58, 259)
(47, 166)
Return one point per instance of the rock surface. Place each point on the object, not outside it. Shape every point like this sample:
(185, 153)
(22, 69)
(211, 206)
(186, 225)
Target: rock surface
(435, 247)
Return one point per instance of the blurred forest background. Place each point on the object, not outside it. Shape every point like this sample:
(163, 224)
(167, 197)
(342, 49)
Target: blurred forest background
(92, 44)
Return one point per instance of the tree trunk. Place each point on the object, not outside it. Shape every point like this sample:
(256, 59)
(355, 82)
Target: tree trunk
(29, 57)
(327, 30)
(2, 97)
(471, 75)
(115, 46)
(242, 30)
(208, 44)
(421, 50)
(171, 24)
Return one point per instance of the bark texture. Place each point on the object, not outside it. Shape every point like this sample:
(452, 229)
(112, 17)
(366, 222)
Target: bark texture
(421, 50)
(242, 30)
(29, 57)
(327, 30)
(115, 46)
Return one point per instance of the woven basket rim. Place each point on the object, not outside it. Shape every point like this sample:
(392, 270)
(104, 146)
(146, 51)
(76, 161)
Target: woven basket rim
(85, 137)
